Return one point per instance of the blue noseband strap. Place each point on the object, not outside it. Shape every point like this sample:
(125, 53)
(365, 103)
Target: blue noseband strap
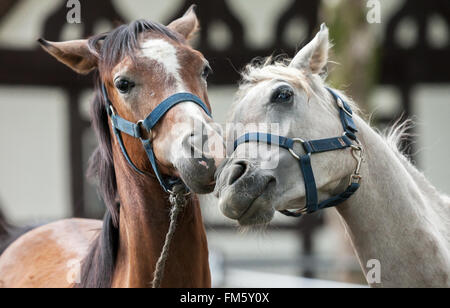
(311, 147)
(283, 142)
(168, 104)
(135, 130)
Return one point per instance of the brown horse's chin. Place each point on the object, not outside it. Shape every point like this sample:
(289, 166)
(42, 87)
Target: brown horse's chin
(197, 174)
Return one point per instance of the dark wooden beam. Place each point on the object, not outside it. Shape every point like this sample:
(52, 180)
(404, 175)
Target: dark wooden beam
(77, 127)
(36, 68)
(414, 66)
(6, 6)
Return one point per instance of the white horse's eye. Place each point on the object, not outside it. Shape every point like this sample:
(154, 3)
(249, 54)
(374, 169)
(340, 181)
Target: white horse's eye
(283, 94)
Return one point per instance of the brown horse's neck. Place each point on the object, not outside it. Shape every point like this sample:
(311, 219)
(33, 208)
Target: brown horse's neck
(144, 222)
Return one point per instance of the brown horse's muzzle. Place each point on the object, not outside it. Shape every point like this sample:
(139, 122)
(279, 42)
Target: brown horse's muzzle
(198, 165)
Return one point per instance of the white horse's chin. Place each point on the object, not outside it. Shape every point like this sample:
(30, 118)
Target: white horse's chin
(258, 219)
(259, 214)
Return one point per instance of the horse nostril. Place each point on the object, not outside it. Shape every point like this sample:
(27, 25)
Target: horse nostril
(238, 171)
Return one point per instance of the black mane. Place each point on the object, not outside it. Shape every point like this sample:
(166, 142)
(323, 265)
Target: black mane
(98, 266)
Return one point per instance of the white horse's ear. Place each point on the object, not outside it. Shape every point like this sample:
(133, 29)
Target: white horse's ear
(314, 56)
(187, 25)
(75, 54)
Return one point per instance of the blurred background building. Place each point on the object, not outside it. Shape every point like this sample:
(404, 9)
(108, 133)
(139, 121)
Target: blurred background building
(397, 67)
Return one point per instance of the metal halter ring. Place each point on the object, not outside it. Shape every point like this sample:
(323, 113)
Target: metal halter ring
(142, 129)
(291, 150)
(111, 108)
(303, 211)
(111, 115)
(184, 195)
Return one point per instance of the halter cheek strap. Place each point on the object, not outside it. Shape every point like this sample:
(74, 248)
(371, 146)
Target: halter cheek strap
(135, 130)
(317, 146)
(346, 115)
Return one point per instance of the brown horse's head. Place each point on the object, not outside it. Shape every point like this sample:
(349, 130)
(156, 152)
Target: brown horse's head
(141, 64)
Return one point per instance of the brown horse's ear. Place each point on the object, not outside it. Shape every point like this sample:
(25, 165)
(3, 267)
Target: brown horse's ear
(75, 54)
(187, 25)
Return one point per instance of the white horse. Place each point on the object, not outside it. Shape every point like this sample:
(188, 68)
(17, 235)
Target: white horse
(396, 216)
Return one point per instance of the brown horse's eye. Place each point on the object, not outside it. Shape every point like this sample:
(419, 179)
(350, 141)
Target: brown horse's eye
(124, 86)
(206, 72)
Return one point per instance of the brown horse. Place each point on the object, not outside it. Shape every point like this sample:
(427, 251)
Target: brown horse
(140, 64)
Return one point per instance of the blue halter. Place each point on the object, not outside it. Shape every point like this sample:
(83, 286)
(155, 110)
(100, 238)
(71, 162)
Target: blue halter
(317, 146)
(135, 130)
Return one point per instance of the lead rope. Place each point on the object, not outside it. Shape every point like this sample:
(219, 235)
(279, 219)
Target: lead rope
(177, 199)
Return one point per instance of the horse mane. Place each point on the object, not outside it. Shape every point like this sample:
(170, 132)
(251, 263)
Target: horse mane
(395, 137)
(277, 67)
(97, 267)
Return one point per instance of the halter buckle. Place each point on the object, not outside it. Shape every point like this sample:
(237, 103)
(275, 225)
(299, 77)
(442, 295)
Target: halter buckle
(291, 150)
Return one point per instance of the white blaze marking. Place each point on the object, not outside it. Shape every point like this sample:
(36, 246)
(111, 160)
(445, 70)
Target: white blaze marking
(164, 53)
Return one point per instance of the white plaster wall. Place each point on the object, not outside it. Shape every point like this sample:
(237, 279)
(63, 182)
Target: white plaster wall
(34, 174)
(432, 107)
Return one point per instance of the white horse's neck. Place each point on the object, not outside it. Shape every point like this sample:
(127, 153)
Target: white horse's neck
(398, 218)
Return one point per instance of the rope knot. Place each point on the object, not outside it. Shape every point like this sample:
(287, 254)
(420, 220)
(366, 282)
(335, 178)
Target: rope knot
(178, 196)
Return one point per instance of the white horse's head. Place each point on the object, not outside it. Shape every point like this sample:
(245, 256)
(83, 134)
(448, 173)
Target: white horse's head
(294, 96)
